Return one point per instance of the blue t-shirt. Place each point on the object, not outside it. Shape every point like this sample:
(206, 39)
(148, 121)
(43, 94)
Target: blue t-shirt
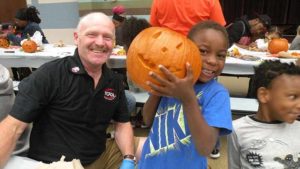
(169, 144)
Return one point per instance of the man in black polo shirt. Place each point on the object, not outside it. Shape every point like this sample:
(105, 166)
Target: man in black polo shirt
(70, 102)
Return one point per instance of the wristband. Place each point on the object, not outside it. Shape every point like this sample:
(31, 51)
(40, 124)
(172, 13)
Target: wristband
(129, 156)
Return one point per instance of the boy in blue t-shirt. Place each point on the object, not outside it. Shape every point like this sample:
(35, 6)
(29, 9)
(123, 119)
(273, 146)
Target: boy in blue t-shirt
(188, 118)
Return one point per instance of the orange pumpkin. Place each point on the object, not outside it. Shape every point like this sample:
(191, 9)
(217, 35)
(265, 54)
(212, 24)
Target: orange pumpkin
(29, 46)
(277, 45)
(161, 46)
(4, 43)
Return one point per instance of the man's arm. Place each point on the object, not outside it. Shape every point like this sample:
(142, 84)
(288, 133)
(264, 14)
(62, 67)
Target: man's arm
(10, 131)
(124, 138)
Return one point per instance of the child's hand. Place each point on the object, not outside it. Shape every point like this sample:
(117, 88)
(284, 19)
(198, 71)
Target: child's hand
(253, 45)
(171, 85)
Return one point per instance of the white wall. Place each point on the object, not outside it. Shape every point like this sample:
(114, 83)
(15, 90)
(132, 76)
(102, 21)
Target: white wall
(55, 35)
(59, 18)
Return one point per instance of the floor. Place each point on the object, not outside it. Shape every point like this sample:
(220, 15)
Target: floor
(221, 162)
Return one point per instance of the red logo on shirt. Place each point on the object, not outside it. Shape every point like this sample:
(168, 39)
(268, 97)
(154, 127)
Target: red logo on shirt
(109, 94)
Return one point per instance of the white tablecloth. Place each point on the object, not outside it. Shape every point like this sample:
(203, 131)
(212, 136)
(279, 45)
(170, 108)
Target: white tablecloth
(18, 58)
(235, 66)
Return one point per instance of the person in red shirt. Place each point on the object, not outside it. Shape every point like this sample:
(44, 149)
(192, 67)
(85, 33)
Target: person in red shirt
(181, 15)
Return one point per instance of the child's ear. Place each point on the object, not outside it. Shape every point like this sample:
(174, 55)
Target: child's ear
(263, 95)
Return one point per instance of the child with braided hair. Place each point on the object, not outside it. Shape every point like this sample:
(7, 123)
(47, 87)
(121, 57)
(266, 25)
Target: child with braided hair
(27, 20)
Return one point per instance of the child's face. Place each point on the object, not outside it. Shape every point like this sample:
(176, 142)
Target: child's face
(213, 47)
(20, 23)
(283, 98)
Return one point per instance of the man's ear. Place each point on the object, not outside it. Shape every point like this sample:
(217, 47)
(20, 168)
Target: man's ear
(75, 35)
(263, 95)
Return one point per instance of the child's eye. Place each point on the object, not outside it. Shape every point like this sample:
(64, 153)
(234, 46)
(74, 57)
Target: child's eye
(203, 51)
(292, 97)
(222, 56)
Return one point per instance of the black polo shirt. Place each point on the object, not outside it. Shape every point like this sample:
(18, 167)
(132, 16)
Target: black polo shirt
(238, 29)
(69, 115)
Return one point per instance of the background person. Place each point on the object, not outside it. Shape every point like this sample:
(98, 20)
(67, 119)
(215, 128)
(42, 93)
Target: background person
(117, 17)
(181, 15)
(27, 20)
(188, 118)
(295, 45)
(27, 23)
(263, 43)
(131, 27)
(70, 102)
(269, 138)
(244, 30)
(7, 95)
(7, 98)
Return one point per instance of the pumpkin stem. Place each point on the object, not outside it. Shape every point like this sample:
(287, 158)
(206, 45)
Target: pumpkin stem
(28, 36)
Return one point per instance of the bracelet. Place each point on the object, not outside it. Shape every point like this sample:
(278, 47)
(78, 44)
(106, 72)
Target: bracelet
(129, 156)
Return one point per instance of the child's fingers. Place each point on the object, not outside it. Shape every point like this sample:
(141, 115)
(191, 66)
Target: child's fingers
(155, 89)
(169, 75)
(158, 78)
(189, 70)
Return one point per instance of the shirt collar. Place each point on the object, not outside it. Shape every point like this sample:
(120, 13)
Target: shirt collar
(76, 66)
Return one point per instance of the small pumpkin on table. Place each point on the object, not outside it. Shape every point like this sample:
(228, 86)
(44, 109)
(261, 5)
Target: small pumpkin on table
(29, 45)
(277, 45)
(4, 43)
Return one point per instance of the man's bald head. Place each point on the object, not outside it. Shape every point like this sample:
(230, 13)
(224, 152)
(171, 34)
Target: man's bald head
(92, 18)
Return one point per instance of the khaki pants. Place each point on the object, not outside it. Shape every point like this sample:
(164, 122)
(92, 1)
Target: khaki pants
(112, 157)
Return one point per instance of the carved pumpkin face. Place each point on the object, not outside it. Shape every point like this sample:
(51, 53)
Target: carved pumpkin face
(277, 45)
(156, 46)
(4, 43)
(29, 46)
